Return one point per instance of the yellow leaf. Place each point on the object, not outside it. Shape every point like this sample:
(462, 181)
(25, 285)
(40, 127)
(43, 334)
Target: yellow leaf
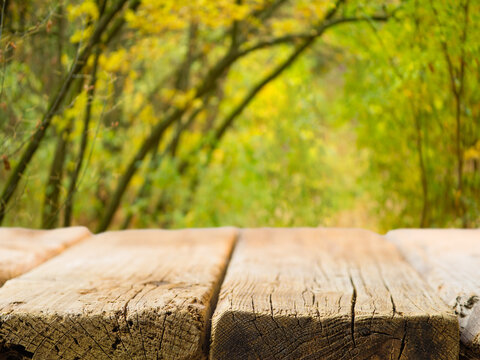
(81, 34)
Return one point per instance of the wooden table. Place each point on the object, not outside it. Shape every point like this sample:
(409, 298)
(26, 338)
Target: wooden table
(226, 293)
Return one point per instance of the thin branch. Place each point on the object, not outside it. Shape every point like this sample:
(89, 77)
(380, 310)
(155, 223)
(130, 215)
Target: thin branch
(266, 12)
(83, 143)
(156, 160)
(207, 85)
(291, 38)
(229, 120)
(53, 107)
(2, 16)
(54, 180)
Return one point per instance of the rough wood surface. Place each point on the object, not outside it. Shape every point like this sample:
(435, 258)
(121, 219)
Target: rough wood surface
(468, 354)
(23, 249)
(327, 294)
(139, 294)
(449, 260)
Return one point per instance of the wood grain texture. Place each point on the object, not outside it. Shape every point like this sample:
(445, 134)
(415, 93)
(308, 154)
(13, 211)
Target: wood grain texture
(139, 294)
(327, 294)
(449, 260)
(468, 354)
(23, 249)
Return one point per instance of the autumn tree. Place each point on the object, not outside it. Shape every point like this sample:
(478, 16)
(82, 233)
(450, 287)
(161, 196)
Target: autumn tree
(152, 75)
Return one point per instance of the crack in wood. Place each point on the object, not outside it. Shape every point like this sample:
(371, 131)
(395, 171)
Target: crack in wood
(352, 310)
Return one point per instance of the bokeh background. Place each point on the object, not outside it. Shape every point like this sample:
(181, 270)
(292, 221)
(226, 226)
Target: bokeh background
(128, 113)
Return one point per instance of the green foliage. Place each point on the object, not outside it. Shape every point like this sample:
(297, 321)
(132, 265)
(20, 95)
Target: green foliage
(401, 89)
(375, 125)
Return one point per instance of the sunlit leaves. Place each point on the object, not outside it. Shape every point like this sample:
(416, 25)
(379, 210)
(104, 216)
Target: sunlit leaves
(400, 89)
(86, 11)
(86, 8)
(158, 16)
(115, 61)
(333, 140)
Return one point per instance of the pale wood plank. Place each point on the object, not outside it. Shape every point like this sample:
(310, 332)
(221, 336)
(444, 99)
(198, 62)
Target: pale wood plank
(327, 294)
(140, 294)
(449, 260)
(23, 249)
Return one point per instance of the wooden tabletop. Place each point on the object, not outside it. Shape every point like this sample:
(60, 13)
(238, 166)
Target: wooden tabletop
(226, 293)
(327, 294)
(140, 294)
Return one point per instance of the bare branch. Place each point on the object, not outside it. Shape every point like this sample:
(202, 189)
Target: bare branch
(53, 107)
(291, 38)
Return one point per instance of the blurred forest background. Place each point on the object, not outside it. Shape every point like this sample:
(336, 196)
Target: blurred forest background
(182, 113)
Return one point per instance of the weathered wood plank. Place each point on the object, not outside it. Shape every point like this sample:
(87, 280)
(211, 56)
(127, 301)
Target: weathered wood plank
(327, 294)
(449, 260)
(468, 354)
(23, 249)
(139, 294)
